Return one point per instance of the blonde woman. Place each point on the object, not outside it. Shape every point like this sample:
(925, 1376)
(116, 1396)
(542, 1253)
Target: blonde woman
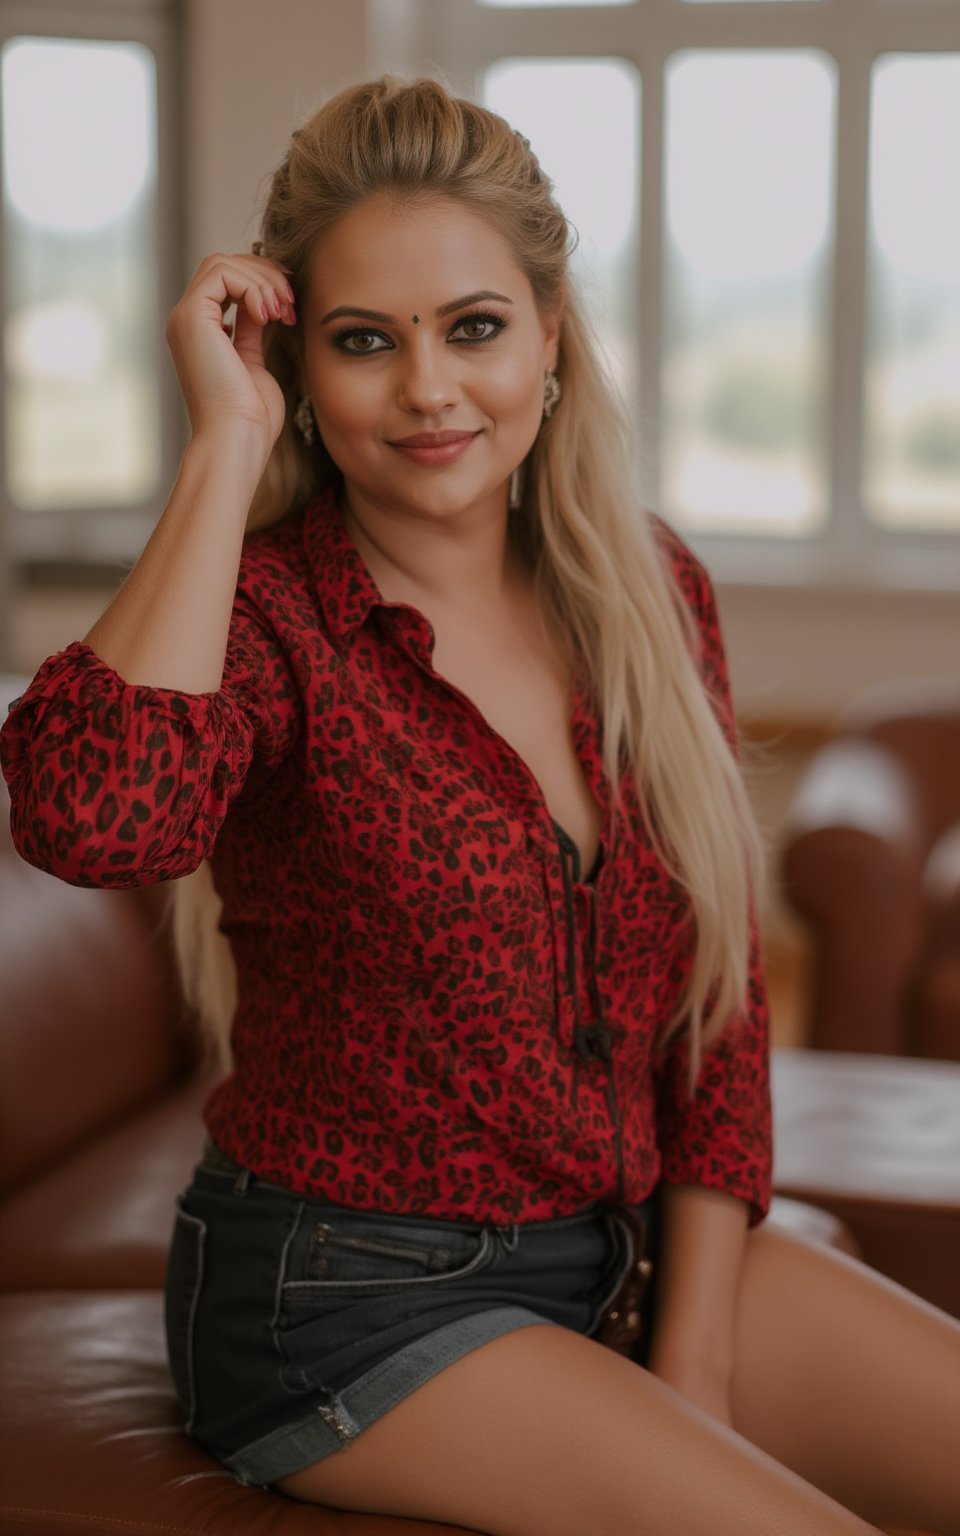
(478, 1233)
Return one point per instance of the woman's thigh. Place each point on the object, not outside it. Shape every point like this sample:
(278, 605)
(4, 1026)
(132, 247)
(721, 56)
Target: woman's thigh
(850, 1380)
(544, 1432)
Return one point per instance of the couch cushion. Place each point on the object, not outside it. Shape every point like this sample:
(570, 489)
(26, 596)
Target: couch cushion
(90, 1005)
(92, 1441)
(103, 1217)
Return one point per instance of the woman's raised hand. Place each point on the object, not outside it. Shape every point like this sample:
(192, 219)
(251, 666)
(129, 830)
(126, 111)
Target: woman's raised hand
(222, 376)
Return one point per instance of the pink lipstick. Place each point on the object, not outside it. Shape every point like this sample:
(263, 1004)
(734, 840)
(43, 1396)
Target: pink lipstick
(434, 447)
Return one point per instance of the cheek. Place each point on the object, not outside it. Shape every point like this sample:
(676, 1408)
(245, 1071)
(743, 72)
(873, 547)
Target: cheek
(344, 401)
(513, 393)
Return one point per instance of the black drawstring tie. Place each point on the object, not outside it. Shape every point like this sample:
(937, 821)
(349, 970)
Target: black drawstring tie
(569, 849)
(593, 1043)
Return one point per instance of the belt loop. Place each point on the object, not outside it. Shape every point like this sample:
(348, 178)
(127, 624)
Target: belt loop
(242, 1182)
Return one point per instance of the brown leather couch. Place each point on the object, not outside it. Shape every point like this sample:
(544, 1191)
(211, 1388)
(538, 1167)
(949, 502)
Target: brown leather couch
(871, 861)
(100, 1101)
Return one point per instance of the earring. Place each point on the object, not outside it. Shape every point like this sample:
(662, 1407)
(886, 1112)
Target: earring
(304, 421)
(517, 483)
(552, 390)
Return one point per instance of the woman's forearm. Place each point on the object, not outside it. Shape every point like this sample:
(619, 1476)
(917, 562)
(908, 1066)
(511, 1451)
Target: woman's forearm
(700, 1255)
(167, 626)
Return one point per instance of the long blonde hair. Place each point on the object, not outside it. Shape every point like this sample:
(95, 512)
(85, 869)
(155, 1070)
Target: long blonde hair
(598, 570)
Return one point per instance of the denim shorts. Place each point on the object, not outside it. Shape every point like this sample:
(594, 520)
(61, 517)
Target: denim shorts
(293, 1324)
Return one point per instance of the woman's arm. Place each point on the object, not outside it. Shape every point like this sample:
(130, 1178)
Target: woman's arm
(167, 626)
(721, 1136)
(703, 1233)
(716, 1144)
(126, 749)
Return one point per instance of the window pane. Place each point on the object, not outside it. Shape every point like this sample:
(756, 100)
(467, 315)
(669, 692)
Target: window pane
(749, 162)
(80, 342)
(524, 4)
(579, 116)
(911, 471)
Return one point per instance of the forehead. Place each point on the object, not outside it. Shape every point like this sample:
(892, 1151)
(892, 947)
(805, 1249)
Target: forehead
(389, 252)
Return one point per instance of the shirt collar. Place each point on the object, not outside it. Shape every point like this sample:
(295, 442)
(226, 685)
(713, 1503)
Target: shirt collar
(346, 589)
(348, 593)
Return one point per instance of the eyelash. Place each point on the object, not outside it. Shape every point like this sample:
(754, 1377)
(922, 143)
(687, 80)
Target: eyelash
(497, 321)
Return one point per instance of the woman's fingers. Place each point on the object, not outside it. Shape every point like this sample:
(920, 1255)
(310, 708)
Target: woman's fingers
(251, 282)
(263, 293)
(254, 285)
(248, 339)
(247, 330)
(226, 383)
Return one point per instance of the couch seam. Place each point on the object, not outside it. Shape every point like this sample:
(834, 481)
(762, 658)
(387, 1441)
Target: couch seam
(96, 1522)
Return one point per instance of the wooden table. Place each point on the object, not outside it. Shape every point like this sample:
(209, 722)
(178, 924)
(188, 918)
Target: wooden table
(876, 1141)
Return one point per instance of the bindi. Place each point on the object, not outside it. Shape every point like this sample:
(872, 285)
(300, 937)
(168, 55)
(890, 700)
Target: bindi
(416, 319)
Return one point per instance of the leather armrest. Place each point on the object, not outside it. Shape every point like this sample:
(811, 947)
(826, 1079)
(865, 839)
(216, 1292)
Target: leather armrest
(852, 866)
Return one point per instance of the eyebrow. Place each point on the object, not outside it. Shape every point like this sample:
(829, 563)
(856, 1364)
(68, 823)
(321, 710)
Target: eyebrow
(445, 309)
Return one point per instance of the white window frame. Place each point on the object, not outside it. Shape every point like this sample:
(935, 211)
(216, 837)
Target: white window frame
(461, 38)
(81, 539)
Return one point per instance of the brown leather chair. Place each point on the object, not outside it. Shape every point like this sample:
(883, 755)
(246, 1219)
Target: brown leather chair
(871, 861)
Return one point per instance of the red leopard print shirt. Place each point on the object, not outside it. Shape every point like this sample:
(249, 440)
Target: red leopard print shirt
(437, 1013)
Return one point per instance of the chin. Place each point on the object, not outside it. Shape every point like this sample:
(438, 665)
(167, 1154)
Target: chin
(437, 500)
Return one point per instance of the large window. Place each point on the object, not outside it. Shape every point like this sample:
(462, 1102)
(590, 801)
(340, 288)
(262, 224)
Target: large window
(746, 286)
(89, 245)
(911, 442)
(604, 129)
(765, 195)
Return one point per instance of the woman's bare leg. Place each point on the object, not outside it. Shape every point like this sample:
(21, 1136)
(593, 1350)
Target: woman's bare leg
(850, 1380)
(543, 1432)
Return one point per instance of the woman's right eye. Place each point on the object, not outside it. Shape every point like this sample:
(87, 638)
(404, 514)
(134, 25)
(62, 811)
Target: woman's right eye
(360, 343)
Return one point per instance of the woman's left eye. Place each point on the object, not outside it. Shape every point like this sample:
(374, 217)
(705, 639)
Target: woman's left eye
(478, 327)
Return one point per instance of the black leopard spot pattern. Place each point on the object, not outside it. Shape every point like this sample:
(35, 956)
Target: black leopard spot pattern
(423, 985)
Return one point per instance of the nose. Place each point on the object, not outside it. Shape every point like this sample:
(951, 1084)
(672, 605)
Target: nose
(428, 382)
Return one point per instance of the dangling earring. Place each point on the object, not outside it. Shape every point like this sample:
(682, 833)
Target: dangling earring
(304, 421)
(552, 390)
(517, 483)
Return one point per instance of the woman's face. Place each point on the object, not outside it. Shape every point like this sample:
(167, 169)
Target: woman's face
(424, 355)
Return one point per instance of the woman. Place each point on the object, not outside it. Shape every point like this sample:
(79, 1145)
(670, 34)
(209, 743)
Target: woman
(449, 717)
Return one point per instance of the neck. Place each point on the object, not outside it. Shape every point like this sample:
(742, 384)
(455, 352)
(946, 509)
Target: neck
(462, 563)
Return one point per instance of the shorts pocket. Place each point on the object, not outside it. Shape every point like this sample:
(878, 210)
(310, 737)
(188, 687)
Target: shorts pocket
(182, 1286)
(353, 1254)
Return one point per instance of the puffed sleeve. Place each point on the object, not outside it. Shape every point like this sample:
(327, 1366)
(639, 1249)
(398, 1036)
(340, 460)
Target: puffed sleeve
(722, 1136)
(119, 784)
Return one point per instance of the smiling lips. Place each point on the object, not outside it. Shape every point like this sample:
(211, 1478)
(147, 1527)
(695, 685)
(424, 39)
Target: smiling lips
(434, 447)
